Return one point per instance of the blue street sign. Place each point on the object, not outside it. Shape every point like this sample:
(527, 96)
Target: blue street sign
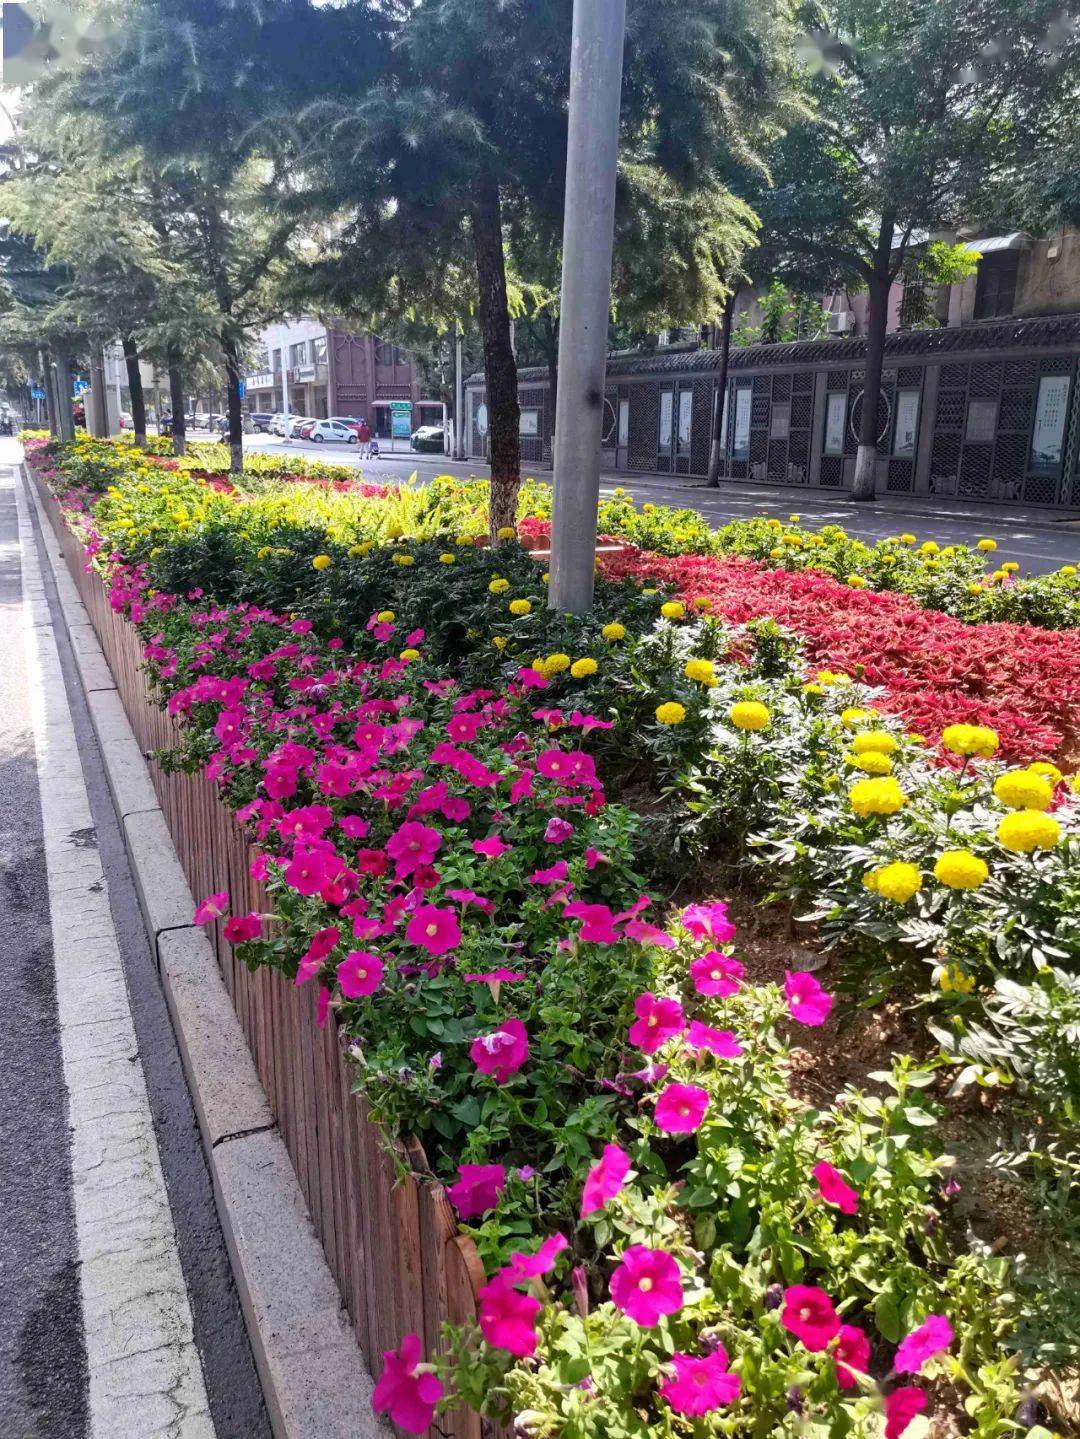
(242, 387)
(80, 387)
(36, 394)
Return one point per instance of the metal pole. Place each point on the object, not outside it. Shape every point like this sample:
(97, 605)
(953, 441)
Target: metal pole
(284, 382)
(459, 403)
(596, 60)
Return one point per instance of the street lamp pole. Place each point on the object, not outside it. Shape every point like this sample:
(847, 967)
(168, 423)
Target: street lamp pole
(596, 61)
(283, 335)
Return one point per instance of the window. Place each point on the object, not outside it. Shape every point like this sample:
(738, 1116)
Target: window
(740, 439)
(1049, 430)
(686, 414)
(298, 354)
(907, 422)
(981, 422)
(995, 284)
(667, 409)
(318, 350)
(835, 413)
(780, 421)
(277, 362)
(388, 354)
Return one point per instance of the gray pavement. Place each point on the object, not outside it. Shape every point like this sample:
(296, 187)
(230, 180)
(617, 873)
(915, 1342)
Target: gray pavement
(1037, 540)
(118, 1314)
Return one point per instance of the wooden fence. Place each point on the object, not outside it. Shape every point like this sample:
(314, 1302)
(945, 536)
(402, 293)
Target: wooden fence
(386, 1227)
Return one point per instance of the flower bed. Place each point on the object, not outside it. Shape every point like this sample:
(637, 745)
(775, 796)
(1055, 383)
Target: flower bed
(593, 1071)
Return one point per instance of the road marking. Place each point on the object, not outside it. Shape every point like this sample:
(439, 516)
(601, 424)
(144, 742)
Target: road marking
(146, 1381)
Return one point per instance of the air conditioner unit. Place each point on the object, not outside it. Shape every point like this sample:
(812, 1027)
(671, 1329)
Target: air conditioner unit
(841, 322)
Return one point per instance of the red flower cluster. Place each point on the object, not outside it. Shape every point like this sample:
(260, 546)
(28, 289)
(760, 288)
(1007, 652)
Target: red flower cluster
(1021, 680)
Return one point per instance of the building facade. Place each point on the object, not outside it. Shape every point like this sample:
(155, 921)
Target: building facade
(334, 372)
(983, 411)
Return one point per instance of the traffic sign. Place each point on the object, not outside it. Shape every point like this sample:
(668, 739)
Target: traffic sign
(36, 393)
(241, 385)
(401, 406)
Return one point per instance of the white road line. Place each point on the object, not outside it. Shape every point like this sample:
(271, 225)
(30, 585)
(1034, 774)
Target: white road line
(146, 1381)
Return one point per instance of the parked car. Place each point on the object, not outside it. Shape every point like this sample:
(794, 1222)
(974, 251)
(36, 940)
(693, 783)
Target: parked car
(277, 423)
(201, 420)
(305, 429)
(260, 422)
(350, 420)
(429, 438)
(323, 430)
(296, 424)
(126, 422)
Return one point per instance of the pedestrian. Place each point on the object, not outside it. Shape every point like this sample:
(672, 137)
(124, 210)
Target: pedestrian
(363, 434)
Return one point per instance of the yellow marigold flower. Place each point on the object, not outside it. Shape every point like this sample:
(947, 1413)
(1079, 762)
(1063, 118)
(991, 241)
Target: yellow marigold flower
(954, 978)
(385, 617)
(262, 553)
(873, 762)
(506, 532)
(998, 575)
(831, 677)
(960, 869)
(499, 641)
(888, 559)
(520, 607)
(876, 796)
(1047, 770)
(776, 553)
(321, 562)
(409, 655)
(929, 547)
(673, 609)
(671, 712)
(793, 519)
(856, 582)
(749, 715)
(1028, 829)
(614, 631)
(774, 524)
(701, 671)
(498, 587)
(447, 559)
(907, 539)
(1067, 570)
(1010, 567)
(812, 688)
(974, 589)
(852, 717)
(875, 739)
(987, 546)
(400, 558)
(394, 531)
(582, 669)
(1021, 789)
(898, 881)
(970, 739)
(545, 577)
(464, 540)
(556, 663)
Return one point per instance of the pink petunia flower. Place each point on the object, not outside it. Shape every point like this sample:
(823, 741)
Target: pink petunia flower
(933, 1335)
(901, 1407)
(530, 1266)
(502, 1053)
(646, 1285)
(212, 908)
(645, 933)
(557, 830)
(507, 1318)
(834, 1189)
(436, 930)
(717, 975)
(313, 958)
(240, 928)
(407, 1389)
(411, 846)
(720, 1042)
(322, 1007)
(807, 1002)
(597, 922)
(359, 974)
(476, 1189)
(604, 1179)
(680, 1108)
(491, 847)
(709, 921)
(594, 857)
(808, 1313)
(554, 874)
(658, 1020)
(698, 1386)
(495, 976)
(852, 1354)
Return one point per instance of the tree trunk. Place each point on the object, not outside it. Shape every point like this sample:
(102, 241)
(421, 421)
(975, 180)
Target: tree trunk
(233, 407)
(176, 402)
(864, 482)
(716, 452)
(45, 361)
(64, 386)
(500, 366)
(138, 400)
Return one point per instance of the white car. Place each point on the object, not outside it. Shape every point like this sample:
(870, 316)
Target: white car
(277, 423)
(324, 430)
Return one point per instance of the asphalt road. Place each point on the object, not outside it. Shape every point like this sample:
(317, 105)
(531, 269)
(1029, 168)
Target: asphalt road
(1037, 541)
(44, 1383)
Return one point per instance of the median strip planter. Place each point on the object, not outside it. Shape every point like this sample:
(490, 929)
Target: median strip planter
(385, 1225)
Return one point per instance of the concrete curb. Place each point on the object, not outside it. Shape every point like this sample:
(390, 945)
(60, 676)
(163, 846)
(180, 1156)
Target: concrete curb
(314, 1377)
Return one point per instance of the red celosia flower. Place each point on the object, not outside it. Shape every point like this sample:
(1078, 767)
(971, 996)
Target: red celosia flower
(833, 1188)
(698, 1386)
(808, 1313)
(646, 1285)
(476, 1189)
(605, 1179)
(502, 1053)
(680, 1108)
(407, 1389)
(658, 1020)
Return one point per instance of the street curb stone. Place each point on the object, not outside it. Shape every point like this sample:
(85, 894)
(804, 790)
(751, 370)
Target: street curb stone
(314, 1377)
